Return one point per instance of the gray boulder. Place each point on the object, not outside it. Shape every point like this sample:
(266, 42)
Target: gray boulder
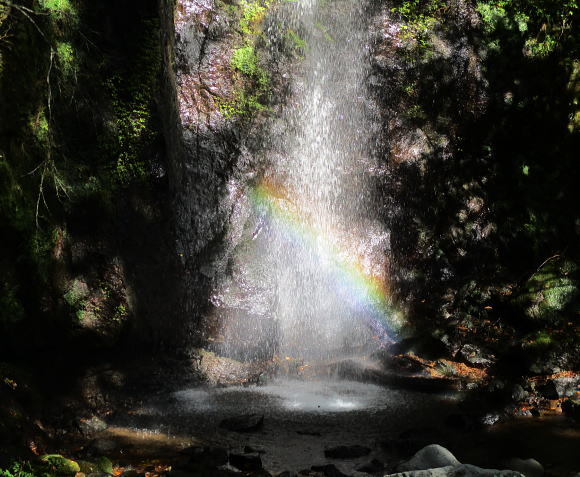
(429, 457)
(528, 467)
(461, 470)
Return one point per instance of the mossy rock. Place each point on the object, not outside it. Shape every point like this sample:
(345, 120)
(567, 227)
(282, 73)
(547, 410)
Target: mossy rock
(104, 465)
(61, 465)
(549, 292)
(87, 467)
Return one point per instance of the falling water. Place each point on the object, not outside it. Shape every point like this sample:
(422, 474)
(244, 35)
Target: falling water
(308, 282)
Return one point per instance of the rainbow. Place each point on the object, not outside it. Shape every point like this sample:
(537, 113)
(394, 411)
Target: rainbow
(363, 292)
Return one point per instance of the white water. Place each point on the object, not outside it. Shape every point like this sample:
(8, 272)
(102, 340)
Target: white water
(292, 297)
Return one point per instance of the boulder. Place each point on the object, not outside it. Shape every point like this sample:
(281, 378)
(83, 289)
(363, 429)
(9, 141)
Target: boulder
(92, 425)
(461, 470)
(60, 465)
(429, 457)
(346, 452)
(518, 393)
(528, 467)
(566, 387)
(475, 356)
(246, 462)
(104, 465)
(246, 423)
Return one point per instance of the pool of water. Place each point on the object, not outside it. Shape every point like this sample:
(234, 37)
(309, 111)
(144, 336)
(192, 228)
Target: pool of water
(301, 418)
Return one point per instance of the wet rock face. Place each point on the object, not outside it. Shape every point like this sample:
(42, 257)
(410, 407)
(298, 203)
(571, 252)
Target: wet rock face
(207, 171)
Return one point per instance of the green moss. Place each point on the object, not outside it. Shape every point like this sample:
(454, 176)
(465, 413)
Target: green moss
(244, 59)
(61, 465)
(295, 40)
(132, 95)
(76, 293)
(104, 465)
(550, 292)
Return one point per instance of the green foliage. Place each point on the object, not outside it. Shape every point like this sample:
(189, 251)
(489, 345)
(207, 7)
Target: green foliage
(252, 15)
(66, 59)
(542, 25)
(59, 10)
(18, 469)
(419, 19)
(244, 59)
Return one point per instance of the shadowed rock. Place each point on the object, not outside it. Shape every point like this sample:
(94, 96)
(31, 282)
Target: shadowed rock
(247, 423)
(246, 462)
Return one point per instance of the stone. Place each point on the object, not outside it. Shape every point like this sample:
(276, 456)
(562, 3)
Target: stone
(328, 470)
(566, 387)
(475, 356)
(104, 465)
(246, 462)
(490, 418)
(92, 425)
(461, 470)
(518, 393)
(429, 457)
(60, 465)
(373, 467)
(246, 423)
(287, 473)
(346, 452)
(528, 467)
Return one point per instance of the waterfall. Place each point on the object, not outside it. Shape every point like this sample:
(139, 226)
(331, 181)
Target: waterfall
(308, 280)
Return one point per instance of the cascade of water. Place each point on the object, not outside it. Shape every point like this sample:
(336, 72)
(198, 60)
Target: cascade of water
(317, 256)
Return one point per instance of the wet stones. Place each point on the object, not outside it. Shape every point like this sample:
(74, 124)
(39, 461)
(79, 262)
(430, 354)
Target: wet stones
(346, 452)
(246, 423)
